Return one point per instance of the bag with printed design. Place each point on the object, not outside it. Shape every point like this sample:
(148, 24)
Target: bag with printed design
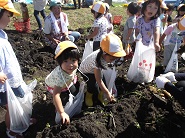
(142, 67)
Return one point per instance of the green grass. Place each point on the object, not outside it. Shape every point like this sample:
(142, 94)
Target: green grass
(78, 18)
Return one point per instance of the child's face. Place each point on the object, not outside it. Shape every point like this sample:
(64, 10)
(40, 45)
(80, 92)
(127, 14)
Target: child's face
(169, 12)
(151, 10)
(5, 19)
(69, 65)
(181, 13)
(56, 10)
(108, 58)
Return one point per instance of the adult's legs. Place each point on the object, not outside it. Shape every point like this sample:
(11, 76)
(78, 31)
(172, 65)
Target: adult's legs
(75, 34)
(175, 92)
(36, 14)
(43, 14)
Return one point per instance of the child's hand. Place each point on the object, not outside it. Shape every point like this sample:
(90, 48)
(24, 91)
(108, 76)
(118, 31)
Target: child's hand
(67, 37)
(3, 78)
(157, 47)
(65, 118)
(56, 41)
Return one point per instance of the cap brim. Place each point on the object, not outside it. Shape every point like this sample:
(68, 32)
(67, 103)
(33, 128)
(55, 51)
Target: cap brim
(64, 47)
(15, 12)
(118, 54)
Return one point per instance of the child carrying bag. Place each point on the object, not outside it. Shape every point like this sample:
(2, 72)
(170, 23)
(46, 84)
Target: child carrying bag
(142, 67)
(20, 109)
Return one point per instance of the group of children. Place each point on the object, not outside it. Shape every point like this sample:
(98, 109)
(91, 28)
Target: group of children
(107, 48)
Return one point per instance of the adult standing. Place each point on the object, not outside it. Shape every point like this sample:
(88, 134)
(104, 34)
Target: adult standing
(39, 7)
(56, 26)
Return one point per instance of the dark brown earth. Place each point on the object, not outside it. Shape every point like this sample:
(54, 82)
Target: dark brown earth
(137, 113)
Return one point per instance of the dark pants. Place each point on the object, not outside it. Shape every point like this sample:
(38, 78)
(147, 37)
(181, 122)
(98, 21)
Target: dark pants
(178, 90)
(36, 14)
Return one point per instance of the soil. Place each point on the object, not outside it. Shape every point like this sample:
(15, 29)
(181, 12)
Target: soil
(138, 112)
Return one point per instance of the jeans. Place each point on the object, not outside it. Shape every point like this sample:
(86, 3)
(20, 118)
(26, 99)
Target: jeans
(36, 14)
(73, 36)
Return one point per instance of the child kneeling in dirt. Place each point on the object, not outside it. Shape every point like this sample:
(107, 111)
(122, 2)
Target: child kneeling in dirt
(63, 79)
(111, 49)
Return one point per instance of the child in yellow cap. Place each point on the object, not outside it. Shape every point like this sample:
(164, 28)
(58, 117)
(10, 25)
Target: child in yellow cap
(10, 72)
(110, 50)
(63, 79)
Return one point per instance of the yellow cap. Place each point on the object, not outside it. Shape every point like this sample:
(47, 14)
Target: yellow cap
(8, 5)
(112, 45)
(181, 24)
(63, 46)
(98, 7)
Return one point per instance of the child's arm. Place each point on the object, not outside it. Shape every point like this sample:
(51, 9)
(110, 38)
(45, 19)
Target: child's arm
(156, 38)
(162, 38)
(94, 33)
(101, 84)
(129, 33)
(58, 105)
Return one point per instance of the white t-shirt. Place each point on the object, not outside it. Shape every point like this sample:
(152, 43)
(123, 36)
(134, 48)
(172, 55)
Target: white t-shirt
(172, 35)
(102, 24)
(39, 5)
(89, 63)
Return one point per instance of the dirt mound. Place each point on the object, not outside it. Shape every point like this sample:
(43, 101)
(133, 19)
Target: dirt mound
(137, 113)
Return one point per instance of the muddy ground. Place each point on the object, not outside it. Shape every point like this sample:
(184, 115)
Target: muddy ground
(137, 113)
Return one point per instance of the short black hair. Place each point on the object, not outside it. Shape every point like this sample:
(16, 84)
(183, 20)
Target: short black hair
(68, 53)
(132, 8)
(170, 7)
(182, 8)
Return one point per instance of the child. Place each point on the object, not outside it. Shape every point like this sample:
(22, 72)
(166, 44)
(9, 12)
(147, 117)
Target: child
(108, 15)
(169, 13)
(163, 17)
(180, 12)
(129, 31)
(39, 6)
(9, 67)
(110, 50)
(63, 79)
(100, 24)
(172, 37)
(24, 10)
(148, 25)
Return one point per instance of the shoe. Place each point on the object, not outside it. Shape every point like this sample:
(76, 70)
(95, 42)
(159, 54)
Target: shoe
(89, 99)
(161, 81)
(11, 134)
(170, 76)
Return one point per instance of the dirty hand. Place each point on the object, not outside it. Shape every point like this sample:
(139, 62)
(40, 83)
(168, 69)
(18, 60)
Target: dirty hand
(110, 97)
(65, 118)
(3, 77)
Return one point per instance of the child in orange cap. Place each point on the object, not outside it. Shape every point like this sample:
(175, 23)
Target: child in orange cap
(172, 37)
(99, 27)
(111, 49)
(63, 79)
(10, 72)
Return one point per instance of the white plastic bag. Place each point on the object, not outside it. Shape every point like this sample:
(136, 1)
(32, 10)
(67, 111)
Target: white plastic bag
(74, 105)
(142, 67)
(110, 77)
(173, 62)
(20, 109)
(88, 49)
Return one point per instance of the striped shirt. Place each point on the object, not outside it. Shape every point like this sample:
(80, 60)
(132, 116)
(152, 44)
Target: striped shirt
(89, 63)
